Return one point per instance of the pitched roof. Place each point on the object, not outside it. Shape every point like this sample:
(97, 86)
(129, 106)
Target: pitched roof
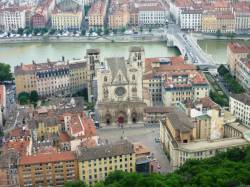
(117, 64)
(119, 148)
(47, 157)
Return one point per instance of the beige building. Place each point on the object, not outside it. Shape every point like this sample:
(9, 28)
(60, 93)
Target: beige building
(209, 22)
(243, 71)
(52, 78)
(118, 17)
(236, 51)
(185, 139)
(96, 163)
(97, 14)
(226, 22)
(66, 20)
(47, 169)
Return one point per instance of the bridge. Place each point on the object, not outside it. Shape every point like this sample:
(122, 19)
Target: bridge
(190, 49)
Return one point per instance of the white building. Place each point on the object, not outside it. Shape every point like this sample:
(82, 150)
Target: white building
(191, 19)
(13, 18)
(152, 15)
(243, 71)
(239, 105)
(2, 104)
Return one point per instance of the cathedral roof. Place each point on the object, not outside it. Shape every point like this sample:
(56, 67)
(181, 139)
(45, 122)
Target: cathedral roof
(117, 64)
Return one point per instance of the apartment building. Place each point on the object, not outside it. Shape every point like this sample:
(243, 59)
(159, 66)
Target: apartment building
(152, 15)
(225, 22)
(2, 104)
(242, 15)
(47, 169)
(209, 22)
(50, 78)
(42, 14)
(191, 19)
(155, 71)
(183, 86)
(66, 20)
(96, 163)
(118, 15)
(236, 51)
(178, 135)
(97, 14)
(239, 105)
(243, 71)
(13, 18)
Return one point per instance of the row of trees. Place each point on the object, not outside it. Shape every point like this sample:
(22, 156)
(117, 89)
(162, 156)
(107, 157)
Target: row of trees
(25, 98)
(226, 169)
(233, 85)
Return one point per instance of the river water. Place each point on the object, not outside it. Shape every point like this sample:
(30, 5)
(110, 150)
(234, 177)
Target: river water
(14, 54)
(218, 48)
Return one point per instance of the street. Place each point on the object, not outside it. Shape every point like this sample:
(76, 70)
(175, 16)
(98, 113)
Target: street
(144, 135)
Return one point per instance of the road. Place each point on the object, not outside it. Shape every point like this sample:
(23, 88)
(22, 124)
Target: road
(144, 135)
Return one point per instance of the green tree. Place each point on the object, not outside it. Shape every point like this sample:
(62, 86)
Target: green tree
(150, 29)
(23, 98)
(83, 32)
(74, 184)
(34, 96)
(141, 29)
(90, 31)
(218, 33)
(86, 9)
(99, 31)
(123, 29)
(20, 31)
(5, 72)
(115, 31)
(52, 31)
(106, 31)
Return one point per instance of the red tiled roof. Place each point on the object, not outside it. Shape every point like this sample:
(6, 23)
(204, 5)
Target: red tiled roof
(239, 48)
(64, 137)
(19, 132)
(18, 146)
(47, 157)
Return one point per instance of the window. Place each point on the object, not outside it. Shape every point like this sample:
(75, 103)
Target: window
(105, 79)
(133, 77)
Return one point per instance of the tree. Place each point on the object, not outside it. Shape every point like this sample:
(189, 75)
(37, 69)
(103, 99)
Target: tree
(52, 31)
(83, 32)
(34, 96)
(99, 31)
(20, 31)
(218, 33)
(123, 29)
(150, 29)
(115, 31)
(106, 31)
(5, 72)
(141, 29)
(90, 31)
(74, 184)
(23, 98)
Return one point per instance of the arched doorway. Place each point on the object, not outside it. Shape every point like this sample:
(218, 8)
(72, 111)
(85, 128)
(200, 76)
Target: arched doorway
(121, 118)
(134, 117)
(108, 119)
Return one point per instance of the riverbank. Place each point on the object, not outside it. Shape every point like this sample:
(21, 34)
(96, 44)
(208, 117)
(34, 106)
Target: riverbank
(202, 36)
(84, 39)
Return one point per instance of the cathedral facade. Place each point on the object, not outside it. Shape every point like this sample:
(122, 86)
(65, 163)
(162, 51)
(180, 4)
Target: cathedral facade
(120, 90)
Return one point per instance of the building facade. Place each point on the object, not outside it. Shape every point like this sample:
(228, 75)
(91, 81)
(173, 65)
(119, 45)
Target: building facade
(191, 19)
(96, 163)
(120, 90)
(239, 105)
(2, 104)
(47, 169)
(97, 14)
(52, 78)
(243, 71)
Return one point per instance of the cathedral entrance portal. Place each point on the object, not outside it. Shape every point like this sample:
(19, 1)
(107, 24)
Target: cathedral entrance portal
(134, 117)
(108, 119)
(120, 119)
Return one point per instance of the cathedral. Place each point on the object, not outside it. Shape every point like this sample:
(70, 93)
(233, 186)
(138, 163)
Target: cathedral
(121, 96)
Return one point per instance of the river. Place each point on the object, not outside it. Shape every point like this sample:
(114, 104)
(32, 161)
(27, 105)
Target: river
(218, 48)
(14, 54)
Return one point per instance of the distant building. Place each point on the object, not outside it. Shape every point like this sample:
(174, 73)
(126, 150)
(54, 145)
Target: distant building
(47, 169)
(52, 78)
(242, 16)
(97, 14)
(235, 52)
(239, 105)
(66, 20)
(242, 73)
(96, 163)
(191, 19)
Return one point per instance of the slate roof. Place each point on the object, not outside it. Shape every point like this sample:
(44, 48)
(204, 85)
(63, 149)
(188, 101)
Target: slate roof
(117, 64)
(180, 121)
(119, 148)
